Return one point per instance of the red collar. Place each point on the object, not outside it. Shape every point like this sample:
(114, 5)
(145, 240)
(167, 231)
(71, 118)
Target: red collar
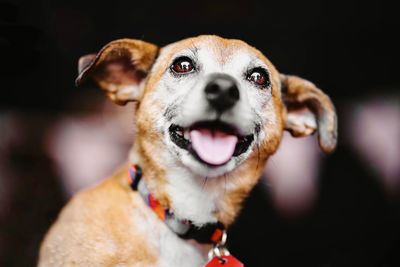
(210, 233)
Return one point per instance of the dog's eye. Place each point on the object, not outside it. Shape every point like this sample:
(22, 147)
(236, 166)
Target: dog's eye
(259, 76)
(182, 65)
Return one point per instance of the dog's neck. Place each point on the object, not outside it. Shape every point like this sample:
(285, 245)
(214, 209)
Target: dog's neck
(192, 197)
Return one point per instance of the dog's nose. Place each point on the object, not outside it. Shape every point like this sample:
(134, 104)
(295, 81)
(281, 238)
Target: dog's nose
(222, 92)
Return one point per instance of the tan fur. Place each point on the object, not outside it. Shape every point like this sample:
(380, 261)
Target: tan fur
(82, 226)
(101, 216)
(111, 74)
(305, 93)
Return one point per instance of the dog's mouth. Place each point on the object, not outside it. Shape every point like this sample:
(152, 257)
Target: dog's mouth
(213, 143)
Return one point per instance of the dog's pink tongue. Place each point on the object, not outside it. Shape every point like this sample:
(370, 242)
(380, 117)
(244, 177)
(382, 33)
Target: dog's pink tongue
(213, 147)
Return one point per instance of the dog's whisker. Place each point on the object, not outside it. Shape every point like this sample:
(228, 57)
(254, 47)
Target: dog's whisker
(225, 184)
(272, 164)
(204, 182)
(258, 155)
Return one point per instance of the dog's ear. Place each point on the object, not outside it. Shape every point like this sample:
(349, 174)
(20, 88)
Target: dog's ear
(119, 68)
(308, 109)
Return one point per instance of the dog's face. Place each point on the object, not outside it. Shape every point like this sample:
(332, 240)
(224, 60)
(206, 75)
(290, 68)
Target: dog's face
(216, 103)
(207, 103)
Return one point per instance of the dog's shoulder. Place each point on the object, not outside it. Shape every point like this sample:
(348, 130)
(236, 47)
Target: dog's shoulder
(107, 196)
(96, 224)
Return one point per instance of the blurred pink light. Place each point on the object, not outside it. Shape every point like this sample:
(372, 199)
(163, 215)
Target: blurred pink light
(291, 174)
(88, 148)
(374, 130)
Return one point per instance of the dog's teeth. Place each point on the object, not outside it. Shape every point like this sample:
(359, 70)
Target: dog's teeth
(186, 135)
(179, 132)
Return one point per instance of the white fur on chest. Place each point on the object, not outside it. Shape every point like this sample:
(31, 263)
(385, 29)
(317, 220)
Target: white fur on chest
(170, 249)
(191, 199)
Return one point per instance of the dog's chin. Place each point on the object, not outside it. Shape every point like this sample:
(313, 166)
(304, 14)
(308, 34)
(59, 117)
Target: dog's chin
(210, 148)
(204, 170)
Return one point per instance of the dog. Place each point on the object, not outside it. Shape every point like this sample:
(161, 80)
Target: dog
(209, 112)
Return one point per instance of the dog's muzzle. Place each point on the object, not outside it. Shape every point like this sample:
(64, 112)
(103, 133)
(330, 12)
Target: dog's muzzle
(214, 142)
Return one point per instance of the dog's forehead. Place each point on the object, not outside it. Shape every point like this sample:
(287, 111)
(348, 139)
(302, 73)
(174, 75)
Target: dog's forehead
(220, 50)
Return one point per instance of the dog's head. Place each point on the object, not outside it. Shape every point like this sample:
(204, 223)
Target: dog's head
(209, 104)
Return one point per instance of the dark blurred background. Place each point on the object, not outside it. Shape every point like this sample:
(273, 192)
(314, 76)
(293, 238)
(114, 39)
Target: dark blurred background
(337, 210)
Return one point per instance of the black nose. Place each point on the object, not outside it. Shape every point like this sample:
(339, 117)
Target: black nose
(222, 92)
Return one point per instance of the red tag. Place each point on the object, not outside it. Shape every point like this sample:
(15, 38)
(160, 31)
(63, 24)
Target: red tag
(226, 261)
